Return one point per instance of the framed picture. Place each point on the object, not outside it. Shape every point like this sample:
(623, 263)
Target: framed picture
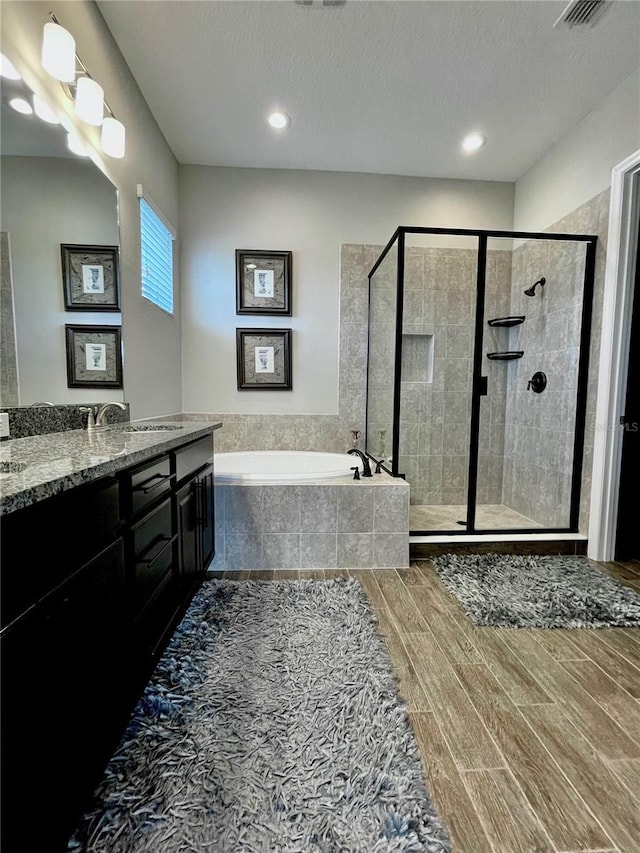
(91, 277)
(263, 282)
(94, 356)
(264, 359)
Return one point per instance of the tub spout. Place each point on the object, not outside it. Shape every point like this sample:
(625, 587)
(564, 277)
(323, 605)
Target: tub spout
(366, 468)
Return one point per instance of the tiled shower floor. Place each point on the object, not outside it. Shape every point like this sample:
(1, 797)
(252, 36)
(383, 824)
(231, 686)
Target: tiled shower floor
(488, 517)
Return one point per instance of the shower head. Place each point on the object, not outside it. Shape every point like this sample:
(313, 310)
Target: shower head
(531, 291)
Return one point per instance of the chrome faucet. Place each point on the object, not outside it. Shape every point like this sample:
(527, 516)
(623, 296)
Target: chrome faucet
(96, 415)
(366, 468)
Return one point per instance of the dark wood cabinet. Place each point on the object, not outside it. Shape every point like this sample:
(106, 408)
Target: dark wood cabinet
(62, 665)
(195, 527)
(85, 619)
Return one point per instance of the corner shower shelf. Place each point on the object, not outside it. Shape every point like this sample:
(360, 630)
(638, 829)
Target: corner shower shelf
(505, 356)
(507, 321)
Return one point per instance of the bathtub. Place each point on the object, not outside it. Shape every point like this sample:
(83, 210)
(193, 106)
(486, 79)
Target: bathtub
(282, 466)
(302, 510)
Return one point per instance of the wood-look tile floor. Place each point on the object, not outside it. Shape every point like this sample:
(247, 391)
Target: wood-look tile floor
(530, 738)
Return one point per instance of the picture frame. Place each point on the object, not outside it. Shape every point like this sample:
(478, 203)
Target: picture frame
(94, 356)
(263, 282)
(90, 277)
(264, 359)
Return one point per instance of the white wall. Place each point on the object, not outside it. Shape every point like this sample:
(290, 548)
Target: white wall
(579, 166)
(152, 338)
(311, 214)
(47, 201)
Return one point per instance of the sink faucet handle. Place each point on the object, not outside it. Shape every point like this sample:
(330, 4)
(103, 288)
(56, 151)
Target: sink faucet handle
(91, 415)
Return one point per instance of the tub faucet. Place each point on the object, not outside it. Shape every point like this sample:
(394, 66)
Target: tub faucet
(366, 468)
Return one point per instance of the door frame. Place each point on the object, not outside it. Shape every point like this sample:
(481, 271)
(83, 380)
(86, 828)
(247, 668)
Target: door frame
(614, 356)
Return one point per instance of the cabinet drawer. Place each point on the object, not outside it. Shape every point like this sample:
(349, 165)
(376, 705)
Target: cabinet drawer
(193, 456)
(154, 551)
(146, 484)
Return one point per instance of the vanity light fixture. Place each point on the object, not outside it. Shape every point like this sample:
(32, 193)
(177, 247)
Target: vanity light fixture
(59, 58)
(89, 101)
(44, 111)
(59, 52)
(279, 121)
(8, 69)
(112, 140)
(21, 106)
(474, 142)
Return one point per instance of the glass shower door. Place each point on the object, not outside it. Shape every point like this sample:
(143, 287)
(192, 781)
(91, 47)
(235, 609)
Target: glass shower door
(530, 356)
(438, 326)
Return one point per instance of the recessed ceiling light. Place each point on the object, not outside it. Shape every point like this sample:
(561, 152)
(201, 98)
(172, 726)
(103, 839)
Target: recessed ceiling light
(279, 121)
(21, 106)
(473, 142)
(8, 69)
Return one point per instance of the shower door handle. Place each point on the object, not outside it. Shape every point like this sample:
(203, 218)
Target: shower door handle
(483, 386)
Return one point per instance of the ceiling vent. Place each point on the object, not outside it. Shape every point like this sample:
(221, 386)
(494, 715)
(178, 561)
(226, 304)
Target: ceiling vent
(319, 4)
(580, 12)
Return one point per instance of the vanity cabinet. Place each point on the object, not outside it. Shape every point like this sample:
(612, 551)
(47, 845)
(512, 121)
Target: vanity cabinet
(62, 713)
(95, 580)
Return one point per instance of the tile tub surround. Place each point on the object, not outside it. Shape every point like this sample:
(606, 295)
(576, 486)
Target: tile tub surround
(333, 524)
(326, 433)
(62, 460)
(39, 420)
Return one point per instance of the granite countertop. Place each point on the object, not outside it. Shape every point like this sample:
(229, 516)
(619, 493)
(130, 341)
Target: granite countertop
(58, 461)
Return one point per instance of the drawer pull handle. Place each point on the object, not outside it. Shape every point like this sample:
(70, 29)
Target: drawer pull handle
(152, 483)
(155, 550)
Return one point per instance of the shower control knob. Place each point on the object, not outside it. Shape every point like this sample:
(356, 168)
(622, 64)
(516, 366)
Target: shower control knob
(537, 383)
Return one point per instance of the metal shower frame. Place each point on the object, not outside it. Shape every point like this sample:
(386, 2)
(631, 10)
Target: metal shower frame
(479, 382)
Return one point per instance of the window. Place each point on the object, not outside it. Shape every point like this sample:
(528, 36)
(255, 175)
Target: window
(156, 244)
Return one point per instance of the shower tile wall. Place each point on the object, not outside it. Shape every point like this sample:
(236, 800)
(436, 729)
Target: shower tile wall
(438, 334)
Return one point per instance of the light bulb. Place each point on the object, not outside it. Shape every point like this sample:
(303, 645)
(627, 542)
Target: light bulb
(59, 53)
(279, 120)
(8, 69)
(21, 106)
(90, 101)
(113, 137)
(77, 146)
(473, 142)
(44, 111)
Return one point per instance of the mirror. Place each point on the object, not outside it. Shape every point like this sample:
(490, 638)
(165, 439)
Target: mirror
(49, 197)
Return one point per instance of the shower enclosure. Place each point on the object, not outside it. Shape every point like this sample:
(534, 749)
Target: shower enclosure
(477, 371)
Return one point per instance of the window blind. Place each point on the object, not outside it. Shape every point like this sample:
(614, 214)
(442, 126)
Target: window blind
(157, 258)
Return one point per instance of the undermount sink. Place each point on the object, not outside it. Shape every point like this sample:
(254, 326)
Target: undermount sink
(12, 467)
(149, 428)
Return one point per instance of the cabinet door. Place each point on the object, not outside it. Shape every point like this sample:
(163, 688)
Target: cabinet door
(187, 500)
(64, 707)
(207, 520)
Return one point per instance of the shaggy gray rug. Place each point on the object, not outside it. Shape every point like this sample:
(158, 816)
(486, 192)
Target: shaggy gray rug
(272, 724)
(509, 591)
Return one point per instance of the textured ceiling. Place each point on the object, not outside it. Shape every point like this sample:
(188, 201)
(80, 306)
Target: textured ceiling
(371, 86)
